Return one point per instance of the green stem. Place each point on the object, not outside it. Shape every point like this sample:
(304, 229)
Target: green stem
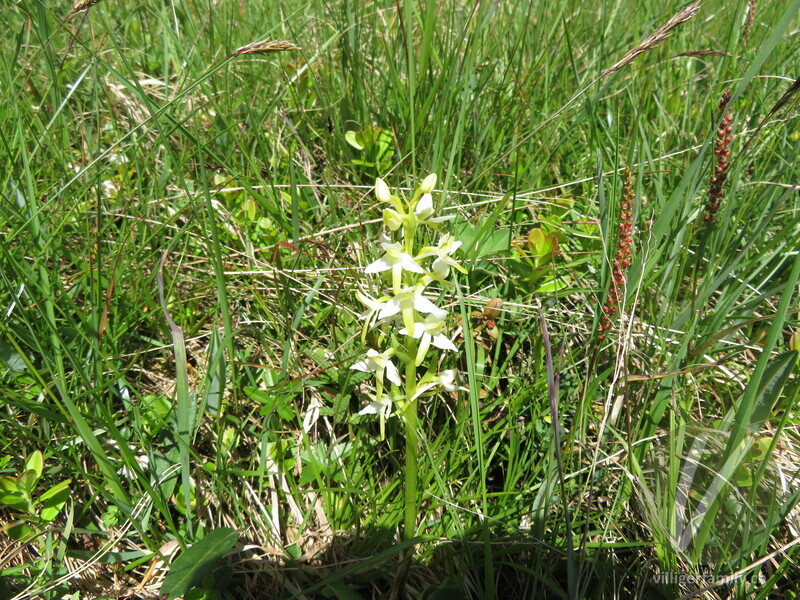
(409, 229)
(411, 423)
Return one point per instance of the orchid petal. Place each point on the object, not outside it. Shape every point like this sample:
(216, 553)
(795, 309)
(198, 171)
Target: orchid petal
(442, 342)
(448, 380)
(382, 264)
(408, 318)
(424, 344)
(392, 219)
(409, 264)
(424, 208)
(392, 374)
(423, 305)
(391, 308)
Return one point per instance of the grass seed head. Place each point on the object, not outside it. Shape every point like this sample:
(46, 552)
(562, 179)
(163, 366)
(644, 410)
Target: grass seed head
(81, 6)
(266, 47)
(750, 22)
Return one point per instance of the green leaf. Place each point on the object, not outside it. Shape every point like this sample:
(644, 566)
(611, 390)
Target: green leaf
(541, 245)
(384, 142)
(484, 240)
(11, 357)
(13, 499)
(350, 138)
(21, 533)
(35, 463)
(155, 410)
(307, 475)
(53, 501)
(771, 387)
(26, 482)
(109, 558)
(343, 591)
(447, 590)
(181, 496)
(293, 551)
(250, 209)
(193, 564)
(743, 477)
(53, 491)
(271, 403)
(8, 484)
(202, 594)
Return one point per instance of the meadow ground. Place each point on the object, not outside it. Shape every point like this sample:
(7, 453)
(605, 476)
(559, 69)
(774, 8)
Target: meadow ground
(581, 384)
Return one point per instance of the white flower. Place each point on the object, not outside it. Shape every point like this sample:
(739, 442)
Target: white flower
(424, 209)
(448, 380)
(373, 306)
(115, 158)
(380, 364)
(442, 251)
(429, 332)
(109, 189)
(407, 301)
(141, 459)
(379, 406)
(397, 261)
(392, 219)
(372, 314)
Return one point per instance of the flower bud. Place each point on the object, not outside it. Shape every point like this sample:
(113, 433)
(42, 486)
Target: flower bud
(382, 190)
(428, 184)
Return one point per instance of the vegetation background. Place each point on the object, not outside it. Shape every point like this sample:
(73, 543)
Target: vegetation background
(182, 230)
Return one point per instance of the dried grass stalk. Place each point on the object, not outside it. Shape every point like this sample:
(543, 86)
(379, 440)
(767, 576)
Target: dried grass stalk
(793, 89)
(655, 38)
(784, 100)
(703, 52)
(266, 47)
(750, 22)
(81, 6)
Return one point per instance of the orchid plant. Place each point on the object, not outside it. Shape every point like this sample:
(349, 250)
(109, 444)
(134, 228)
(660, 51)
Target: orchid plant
(407, 322)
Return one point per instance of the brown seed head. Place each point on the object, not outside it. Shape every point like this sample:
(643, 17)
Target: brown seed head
(81, 6)
(266, 47)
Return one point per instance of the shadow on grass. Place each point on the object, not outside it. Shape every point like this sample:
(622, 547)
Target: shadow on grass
(485, 563)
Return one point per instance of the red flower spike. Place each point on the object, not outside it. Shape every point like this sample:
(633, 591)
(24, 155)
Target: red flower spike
(722, 153)
(622, 259)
